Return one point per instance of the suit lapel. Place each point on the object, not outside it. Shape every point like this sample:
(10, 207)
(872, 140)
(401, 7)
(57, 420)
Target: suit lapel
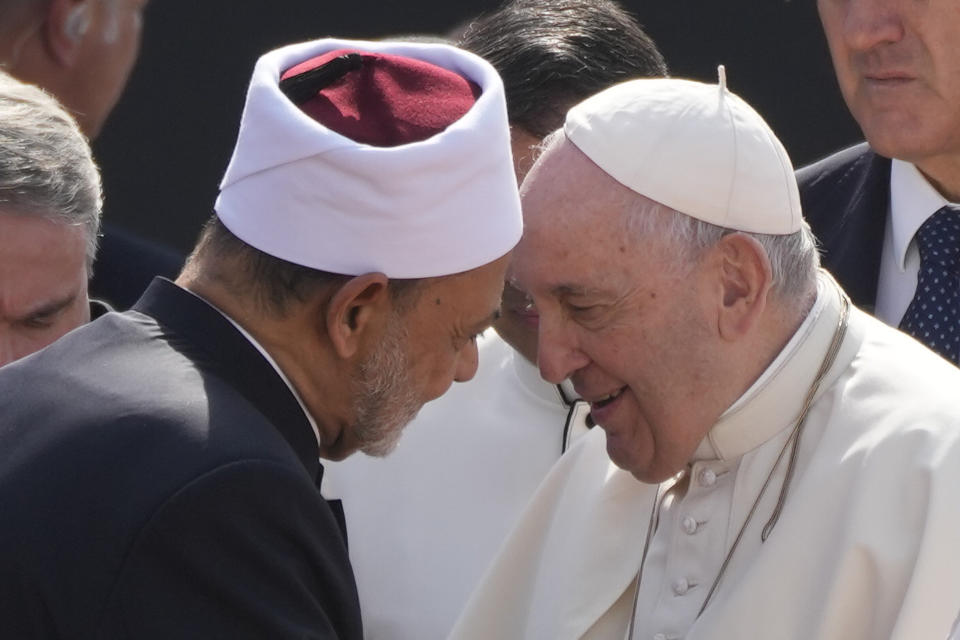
(209, 339)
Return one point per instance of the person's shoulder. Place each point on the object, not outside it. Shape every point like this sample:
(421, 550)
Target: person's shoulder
(99, 308)
(903, 390)
(841, 170)
(852, 182)
(126, 263)
(839, 167)
(125, 388)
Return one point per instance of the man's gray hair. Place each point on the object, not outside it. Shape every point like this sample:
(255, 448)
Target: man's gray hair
(46, 167)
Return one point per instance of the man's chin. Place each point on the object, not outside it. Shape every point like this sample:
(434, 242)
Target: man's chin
(339, 450)
(375, 444)
(387, 440)
(380, 449)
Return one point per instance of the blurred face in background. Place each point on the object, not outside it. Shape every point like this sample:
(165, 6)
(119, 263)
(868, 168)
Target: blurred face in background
(81, 52)
(898, 67)
(107, 54)
(518, 320)
(43, 283)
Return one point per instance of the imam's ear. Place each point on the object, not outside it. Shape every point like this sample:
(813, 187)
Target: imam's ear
(355, 309)
(67, 24)
(745, 281)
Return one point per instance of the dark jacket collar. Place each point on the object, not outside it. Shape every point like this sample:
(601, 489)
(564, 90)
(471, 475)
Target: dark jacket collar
(98, 308)
(845, 199)
(234, 359)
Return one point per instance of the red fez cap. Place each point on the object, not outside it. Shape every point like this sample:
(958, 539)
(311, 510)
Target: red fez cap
(379, 99)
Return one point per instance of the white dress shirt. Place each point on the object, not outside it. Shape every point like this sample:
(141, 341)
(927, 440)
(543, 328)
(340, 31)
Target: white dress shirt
(912, 200)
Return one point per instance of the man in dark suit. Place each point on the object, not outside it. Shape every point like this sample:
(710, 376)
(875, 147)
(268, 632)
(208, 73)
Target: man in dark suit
(159, 468)
(877, 207)
(82, 51)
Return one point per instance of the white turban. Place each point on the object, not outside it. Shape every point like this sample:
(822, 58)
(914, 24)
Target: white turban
(304, 193)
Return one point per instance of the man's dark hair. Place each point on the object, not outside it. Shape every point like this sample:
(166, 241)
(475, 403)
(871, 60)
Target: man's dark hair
(552, 54)
(272, 283)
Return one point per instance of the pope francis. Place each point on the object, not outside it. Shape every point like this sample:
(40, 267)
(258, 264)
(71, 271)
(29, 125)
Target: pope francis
(773, 462)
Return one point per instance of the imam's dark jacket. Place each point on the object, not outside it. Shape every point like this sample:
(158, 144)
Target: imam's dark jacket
(845, 198)
(126, 264)
(158, 480)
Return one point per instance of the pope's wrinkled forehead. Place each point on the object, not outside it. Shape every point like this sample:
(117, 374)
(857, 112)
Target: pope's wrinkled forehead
(565, 183)
(571, 207)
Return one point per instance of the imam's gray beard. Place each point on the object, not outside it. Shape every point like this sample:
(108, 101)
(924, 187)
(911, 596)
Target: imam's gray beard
(387, 400)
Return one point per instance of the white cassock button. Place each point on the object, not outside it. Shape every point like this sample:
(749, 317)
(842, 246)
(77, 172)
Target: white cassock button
(708, 478)
(660, 636)
(690, 525)
(681, 586)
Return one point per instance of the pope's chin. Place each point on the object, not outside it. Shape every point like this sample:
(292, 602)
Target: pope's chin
(628, 453)
(619, 451)
(625, 453)
(633, 453)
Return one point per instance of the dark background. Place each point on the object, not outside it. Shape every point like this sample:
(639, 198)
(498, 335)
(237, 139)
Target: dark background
(167, 144)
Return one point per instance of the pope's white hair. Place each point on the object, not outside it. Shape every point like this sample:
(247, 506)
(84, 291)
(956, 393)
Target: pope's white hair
(46, 167)
(794, 258)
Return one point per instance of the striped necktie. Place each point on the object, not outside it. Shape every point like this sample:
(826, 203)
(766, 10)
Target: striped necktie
(933, 316)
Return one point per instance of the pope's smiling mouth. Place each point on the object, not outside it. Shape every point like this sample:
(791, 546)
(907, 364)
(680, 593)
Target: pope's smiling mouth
(600, 403)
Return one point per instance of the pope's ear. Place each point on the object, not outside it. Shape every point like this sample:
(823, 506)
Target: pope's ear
(65, 27)
(745, 280)
(356, 311)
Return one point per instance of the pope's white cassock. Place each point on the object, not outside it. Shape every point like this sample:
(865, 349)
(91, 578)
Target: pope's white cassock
(866, 546)
(425, 522)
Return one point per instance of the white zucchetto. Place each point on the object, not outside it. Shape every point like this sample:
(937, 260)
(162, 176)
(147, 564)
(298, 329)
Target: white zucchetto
(696, 148)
